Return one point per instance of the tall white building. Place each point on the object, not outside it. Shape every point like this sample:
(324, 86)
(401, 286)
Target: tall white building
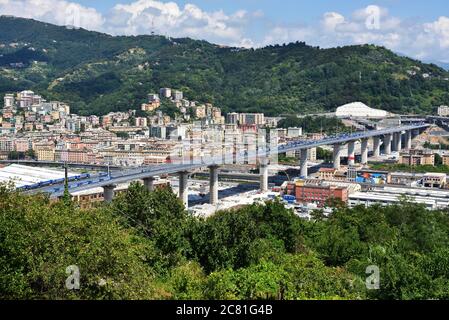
(152, 97)
(25, 98)
(232, 118)
(8, 100)
(254, 118)
(165, 92)
(245, 118)
(177, 95)
(443, 111)
(294, 132)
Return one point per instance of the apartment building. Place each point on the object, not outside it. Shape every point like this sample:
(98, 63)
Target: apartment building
(6, 145)
(443, 111)
(445, 159)
(45, 153)
(165, 92)
(71, 156)
(415, 157)
(8, 101)
(434, 180)
(177, 95)
(22, 145)
(319, 194)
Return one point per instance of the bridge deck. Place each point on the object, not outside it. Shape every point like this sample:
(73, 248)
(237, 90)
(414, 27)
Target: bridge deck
(138, 174)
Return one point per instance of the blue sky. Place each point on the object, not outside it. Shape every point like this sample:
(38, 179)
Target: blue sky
(294, 10)
(416, 28)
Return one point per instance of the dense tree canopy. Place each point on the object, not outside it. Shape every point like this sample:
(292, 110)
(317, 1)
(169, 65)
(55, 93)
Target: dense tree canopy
(40, 239)
(146, 246)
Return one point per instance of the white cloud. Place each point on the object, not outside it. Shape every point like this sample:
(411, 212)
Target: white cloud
(440, 29)
(419, 40)
(145, 16)
(331, 20)
(139, 17)
(54, 11)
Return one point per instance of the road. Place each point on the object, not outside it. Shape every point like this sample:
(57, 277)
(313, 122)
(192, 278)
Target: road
(138, 174)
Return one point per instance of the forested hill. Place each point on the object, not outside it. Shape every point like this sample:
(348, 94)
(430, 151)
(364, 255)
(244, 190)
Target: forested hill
(98, 73)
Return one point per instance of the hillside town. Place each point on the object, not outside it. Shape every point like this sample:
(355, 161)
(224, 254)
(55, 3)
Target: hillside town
(34, 130)
(31, 127)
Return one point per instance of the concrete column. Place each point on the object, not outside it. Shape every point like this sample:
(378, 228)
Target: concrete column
(183, 188)
(303, 163)
(213, 185)
(337, 156)
(108, 193)
(263, 168)
(351, 153)
(149, 183)
(408, 139)
(364, 151)
(399, 142)
(394, 142)
(376, 141)
(387, 144)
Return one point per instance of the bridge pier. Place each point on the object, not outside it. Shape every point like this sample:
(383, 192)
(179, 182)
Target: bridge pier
(408, 139)
(399, 142)
(213, 185)
(303, 163)
(108, 193)
(364, 151)
(376, 141)
(149, 183)
(263, 168)
(337, 156)
(351, 153)
(183, 188)
(394, 142)
(387, 144)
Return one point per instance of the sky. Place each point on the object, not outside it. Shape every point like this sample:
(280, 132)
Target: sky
(417, 28)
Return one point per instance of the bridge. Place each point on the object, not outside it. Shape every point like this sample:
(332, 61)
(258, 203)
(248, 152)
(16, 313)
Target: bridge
(393, 139)
(442, 122)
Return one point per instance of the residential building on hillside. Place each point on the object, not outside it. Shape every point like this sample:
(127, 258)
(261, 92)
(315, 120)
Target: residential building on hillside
(165, 92)
(443, 111)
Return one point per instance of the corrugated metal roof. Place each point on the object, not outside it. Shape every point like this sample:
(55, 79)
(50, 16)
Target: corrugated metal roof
(22, 175)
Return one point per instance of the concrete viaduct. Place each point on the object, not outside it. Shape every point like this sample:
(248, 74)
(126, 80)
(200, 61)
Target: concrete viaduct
(393, 139)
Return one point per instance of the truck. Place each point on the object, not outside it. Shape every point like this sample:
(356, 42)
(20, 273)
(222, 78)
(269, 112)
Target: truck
(289, 198)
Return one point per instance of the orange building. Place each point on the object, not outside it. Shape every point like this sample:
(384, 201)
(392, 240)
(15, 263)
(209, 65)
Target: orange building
(320, 194)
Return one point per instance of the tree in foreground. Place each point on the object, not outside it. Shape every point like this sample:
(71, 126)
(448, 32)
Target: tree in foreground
(39, 240)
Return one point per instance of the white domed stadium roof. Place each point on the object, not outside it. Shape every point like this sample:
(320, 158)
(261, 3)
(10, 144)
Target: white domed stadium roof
(359, 110)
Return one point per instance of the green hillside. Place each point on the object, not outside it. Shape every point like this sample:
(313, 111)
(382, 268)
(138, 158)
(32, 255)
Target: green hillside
(98, 73)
